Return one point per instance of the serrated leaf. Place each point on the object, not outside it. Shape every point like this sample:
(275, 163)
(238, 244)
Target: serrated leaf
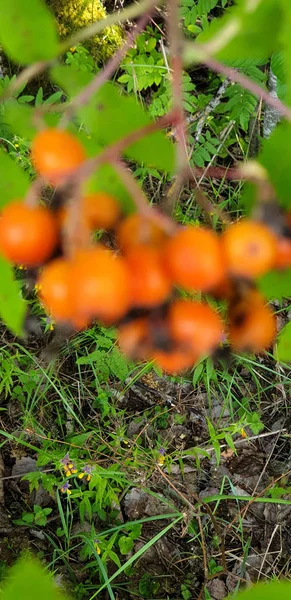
(12, 305)
(278, 66)
(25, 581)
(14, 182)
(276, 284)
(276, 158)
(27, 31)
(111, 115)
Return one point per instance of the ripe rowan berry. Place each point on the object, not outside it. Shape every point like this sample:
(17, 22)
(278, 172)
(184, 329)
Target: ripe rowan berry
(249, 249)
(133, 339)
(252, 324)
(283, 255)
(101, 285)
(55, 288)
(98, 211)
(195, 325)
(101, 210)
(56, 154)
(193, 259)
(175, 360)
(150, 285)
(136, 230)
(28, 235)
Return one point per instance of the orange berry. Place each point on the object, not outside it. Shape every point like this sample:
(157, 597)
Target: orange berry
(283, 255)
(55, 283)
(133, 339)
(136, 230)
(28, 235)
(196, 325)
(56, 154)
(174, 361)
(149, 282)
(101, 210)
(101, 285)
(194, 259)
(249, 248)
(252, 324)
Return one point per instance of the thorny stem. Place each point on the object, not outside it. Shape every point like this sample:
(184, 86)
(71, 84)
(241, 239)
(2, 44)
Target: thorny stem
(112, 65)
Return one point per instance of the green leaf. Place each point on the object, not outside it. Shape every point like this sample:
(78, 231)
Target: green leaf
(286, 48)
(283, 349)
(125, 544)
(276, 284)
(267, 591)
(14, 182)
(20, 117)
(111, 115)
(276, 158)
(12, 305)
(252, 29)
(278, 66)
(25, 581)
(27, 31)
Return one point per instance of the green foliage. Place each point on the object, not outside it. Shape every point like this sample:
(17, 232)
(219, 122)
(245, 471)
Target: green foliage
(283, 348)
(12, 305)
(27, 31)
(26, 579)
(124, 114)
(38, 517)
(144, 65)
(276, 158)
(241, 104)
(195, 14)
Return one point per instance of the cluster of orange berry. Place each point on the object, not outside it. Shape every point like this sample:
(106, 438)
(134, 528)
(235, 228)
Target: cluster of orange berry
(135, 285)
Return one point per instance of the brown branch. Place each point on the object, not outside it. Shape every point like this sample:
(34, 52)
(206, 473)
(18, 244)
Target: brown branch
(176, 54)
(248, 84)
(111, 66)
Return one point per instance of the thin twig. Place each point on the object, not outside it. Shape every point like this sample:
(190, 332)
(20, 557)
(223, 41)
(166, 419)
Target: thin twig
(110, 68)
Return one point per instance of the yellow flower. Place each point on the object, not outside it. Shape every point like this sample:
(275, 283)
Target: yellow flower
(73, 49)
(16, 145)
(37, 287)
(161, 461)
(81, 475)
(243, 433)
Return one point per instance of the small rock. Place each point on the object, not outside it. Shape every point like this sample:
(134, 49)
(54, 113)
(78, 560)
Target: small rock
(138, 504)
(216, 589)
(24, 465)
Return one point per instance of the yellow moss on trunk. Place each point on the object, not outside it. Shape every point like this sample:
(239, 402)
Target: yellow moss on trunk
(75, 14)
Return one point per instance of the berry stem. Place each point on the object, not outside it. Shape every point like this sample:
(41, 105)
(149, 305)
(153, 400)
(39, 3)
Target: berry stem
(34, 192)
